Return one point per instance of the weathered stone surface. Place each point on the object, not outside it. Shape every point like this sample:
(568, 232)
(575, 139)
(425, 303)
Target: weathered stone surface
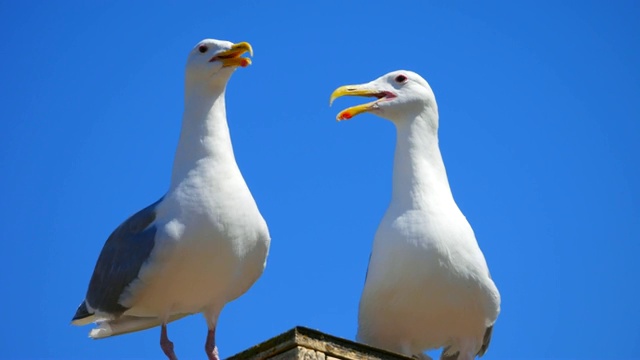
(302, 343)
(287, 355)
(308, 354)
(291, 354)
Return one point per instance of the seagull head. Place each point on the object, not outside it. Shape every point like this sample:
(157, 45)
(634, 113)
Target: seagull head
(400, 96)
(213, 61)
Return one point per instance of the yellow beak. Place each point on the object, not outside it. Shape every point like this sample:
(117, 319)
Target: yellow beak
(232, 57)
(355, 90)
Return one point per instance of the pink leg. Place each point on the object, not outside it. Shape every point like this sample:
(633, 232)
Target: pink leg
(166, 344)
(210, 346)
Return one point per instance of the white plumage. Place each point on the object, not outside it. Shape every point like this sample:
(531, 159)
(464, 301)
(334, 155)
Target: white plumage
(200, 246)
(428, 285)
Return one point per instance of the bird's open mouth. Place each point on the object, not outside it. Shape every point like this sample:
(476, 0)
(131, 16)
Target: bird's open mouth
(233, 56)
(360, 90)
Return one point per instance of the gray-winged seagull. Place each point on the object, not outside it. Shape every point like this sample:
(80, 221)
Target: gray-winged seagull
(204, 243)
(428, 284)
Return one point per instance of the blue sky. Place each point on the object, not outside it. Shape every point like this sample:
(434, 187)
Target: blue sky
(539, 130)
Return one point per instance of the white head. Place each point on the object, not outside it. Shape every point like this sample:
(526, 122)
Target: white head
(211, 62)
(402, 96)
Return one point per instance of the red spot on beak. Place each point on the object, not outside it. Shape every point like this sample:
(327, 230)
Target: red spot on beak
(244, 63)
(345, 115)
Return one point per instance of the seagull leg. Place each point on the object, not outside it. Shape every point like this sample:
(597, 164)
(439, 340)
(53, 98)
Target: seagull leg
(210, 346)
(166, 344)
(211, 314)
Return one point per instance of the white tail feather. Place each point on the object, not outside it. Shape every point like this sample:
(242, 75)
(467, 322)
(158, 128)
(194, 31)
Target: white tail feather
(127, 324)
(84, 321)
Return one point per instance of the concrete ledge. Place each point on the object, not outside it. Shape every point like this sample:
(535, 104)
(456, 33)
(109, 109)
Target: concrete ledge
(307, 344)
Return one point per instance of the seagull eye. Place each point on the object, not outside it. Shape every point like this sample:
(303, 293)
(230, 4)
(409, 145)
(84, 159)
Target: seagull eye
(400, 79)
(203, 48)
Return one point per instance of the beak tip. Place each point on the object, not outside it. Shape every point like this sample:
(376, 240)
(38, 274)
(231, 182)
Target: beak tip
(336, 94)
(244, 46)
(344, 115)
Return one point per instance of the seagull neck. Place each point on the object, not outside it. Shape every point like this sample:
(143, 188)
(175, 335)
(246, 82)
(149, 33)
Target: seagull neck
(419, 176)
(204, 133)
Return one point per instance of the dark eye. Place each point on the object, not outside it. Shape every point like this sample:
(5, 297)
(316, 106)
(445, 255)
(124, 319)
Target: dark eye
(401, 78)
(203, 48)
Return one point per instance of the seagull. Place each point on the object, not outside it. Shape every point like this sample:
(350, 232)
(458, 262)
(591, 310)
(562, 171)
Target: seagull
(428, 284)
(204, 243)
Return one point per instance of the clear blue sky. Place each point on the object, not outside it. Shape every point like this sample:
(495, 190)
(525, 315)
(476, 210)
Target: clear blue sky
(539, 129)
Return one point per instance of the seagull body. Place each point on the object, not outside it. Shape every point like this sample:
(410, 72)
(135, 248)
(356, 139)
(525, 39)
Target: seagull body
(201, 245)
(428, 284)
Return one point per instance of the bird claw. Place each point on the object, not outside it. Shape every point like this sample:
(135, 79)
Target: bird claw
(213, 355)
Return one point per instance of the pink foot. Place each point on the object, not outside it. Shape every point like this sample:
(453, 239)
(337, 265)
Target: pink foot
(166, 344)
(210, 346)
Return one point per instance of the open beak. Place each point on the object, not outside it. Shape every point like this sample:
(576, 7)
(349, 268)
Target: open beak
(232, 57)
(359, 90)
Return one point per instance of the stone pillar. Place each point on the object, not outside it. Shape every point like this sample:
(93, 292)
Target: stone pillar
(301, 343)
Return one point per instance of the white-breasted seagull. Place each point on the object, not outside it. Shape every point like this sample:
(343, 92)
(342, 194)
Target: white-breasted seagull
(428, 284)
(204, 243)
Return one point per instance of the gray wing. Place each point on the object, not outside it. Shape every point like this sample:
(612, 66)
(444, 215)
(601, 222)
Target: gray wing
(119, 263)
(483, 349)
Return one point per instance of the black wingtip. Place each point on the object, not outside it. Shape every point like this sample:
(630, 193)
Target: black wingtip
(82, 312)
(486, 341)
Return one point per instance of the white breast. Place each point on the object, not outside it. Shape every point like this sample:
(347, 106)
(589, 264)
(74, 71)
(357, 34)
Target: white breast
(421, 291)
(211, 245)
